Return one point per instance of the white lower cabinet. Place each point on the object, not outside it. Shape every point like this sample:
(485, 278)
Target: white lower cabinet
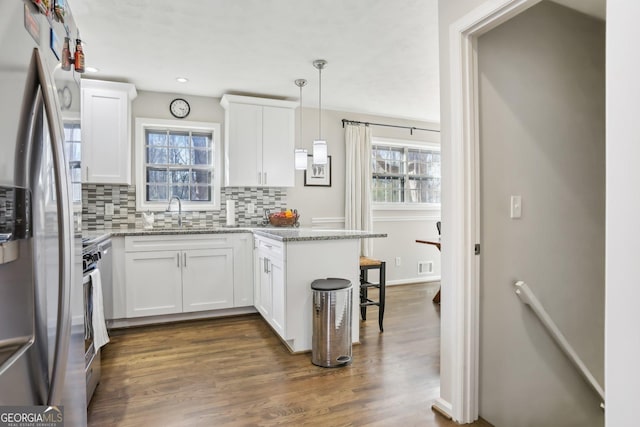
(270, 283)
(185, 273)
(284, 271)
(154, 283)
(207, 279)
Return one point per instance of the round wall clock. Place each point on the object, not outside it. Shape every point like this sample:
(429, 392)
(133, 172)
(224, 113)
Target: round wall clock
(179, 108)
(66, 98)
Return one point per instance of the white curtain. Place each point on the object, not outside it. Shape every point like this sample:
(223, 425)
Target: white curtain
(357, 204)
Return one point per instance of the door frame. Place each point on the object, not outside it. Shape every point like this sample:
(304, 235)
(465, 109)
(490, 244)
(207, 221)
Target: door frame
(463, 231)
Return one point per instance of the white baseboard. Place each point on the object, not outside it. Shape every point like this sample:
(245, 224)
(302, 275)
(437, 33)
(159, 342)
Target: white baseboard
(420, 279)
(151, 320)
(443, 407)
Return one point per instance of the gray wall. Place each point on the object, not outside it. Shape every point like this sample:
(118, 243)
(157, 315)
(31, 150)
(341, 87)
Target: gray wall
(325, 205)
(542, 122)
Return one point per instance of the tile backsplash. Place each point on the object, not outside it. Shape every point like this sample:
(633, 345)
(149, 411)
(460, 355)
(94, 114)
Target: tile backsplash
(123, 197)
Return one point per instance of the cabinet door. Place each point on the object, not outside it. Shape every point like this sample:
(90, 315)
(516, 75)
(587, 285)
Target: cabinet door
(207, 279)
(278, 304)
(278, 145)
(106, 152)
(153, 283)
(243, 148)
(264, 286)
(242, 270)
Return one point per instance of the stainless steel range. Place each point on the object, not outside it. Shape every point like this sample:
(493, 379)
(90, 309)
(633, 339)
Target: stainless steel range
(96, 255)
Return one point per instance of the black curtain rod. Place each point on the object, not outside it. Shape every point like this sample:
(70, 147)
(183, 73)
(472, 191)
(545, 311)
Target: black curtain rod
(411, 128)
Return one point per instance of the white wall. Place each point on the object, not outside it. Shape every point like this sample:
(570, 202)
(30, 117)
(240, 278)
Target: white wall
(541, 94)
(323, 207)
(622, 346)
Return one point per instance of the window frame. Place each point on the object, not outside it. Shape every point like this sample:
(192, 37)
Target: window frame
(142, 124)
(406, 144)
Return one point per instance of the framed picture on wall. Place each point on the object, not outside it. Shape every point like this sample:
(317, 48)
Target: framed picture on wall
(317, 175)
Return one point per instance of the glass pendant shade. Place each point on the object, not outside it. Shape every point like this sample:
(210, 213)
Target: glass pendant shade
(319, 152)
(301, 159)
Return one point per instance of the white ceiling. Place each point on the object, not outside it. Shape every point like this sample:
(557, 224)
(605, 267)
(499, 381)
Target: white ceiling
(595, 8)
(382, 55)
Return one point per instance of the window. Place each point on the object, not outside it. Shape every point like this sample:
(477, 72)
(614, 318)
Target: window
(405, 174)
(177, 159)
(73, 141)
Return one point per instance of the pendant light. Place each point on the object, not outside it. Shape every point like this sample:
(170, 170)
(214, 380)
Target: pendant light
(301, 153)
(320, 145)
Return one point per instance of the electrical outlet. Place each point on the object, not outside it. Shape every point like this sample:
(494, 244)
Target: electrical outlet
(251, 208)
(108, 208)
(425, 267)
(398, 261)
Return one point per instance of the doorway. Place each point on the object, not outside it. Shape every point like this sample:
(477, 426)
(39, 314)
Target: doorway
(541, 86)
(461, 268)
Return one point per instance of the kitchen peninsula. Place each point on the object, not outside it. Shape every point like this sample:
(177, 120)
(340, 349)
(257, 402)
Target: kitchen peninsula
(163, 275)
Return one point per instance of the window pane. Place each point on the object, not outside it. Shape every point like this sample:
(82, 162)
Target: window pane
(179, 176)
(76, 174)
(200, 177)
(157, 156)
(156, 193)
(387, 160)
(201, 140)
(179, 139)
(76, 189)
(201, 157)
(179, 156)
(157, 176)
(181, 191)
(156, 138)
(417, 161)
(386, 189)
(201, 193)
(75, 133)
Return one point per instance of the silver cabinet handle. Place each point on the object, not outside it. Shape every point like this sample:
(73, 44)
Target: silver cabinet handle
(267, 260)
(184, 259)
(178, 260)
(259, 177)
(87, 173)
(265, 178)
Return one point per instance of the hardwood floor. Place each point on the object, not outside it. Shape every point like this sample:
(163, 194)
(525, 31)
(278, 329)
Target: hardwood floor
(236, 372)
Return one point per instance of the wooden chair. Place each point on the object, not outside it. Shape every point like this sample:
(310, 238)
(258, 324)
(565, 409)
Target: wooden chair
(367, 264)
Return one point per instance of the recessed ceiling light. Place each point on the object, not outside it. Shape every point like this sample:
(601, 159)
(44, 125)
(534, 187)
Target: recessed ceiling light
(182, 79)
(91, 69)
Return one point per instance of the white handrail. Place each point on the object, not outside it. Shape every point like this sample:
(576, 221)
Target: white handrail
(527, 297)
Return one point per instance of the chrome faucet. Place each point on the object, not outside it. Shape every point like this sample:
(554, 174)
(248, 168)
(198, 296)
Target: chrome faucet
(179, 209)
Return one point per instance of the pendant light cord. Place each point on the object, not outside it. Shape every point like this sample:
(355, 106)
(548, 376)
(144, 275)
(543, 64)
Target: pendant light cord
(320, 104)
(300, 114)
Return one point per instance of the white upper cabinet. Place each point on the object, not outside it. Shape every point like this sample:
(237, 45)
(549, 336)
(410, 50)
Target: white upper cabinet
(106, 131)
(259, 142)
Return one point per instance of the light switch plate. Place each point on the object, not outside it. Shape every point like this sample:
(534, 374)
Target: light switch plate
(251, 208)
(108, 208)
(516, 207)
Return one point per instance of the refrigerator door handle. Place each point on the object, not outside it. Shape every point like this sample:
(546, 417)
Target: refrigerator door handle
(65, 242)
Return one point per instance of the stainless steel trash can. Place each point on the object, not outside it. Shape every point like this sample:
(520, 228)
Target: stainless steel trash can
(331, 341)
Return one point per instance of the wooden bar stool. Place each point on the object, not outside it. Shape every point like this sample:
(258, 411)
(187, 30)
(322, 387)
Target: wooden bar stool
(367, 264)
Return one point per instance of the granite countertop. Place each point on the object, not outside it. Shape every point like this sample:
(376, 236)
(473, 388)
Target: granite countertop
(305, 234)
(281, 234)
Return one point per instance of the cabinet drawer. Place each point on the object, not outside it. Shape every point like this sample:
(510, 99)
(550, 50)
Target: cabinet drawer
(273, 248)
(177, 242)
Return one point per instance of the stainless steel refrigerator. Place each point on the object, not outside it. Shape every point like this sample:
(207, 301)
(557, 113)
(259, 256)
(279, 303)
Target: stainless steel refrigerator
(41, 311)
